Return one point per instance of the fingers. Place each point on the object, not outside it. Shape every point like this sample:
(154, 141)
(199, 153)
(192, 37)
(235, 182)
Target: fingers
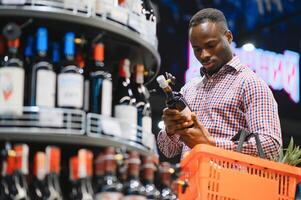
(177, 128)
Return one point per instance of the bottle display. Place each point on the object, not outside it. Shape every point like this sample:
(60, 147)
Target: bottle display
(125, 102)
(148, 170)
(133, 188)
(111, 188)
(166, 190)
(101, 83)
(56, 78)
(70, 79)
(12, 74)
(43, 77)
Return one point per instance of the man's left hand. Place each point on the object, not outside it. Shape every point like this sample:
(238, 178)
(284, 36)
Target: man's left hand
(197, 134)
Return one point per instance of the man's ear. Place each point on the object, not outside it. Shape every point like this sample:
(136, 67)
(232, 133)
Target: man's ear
(229, 36)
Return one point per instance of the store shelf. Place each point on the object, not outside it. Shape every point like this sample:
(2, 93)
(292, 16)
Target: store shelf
(66, 126)
(100, 141)
(151, 55)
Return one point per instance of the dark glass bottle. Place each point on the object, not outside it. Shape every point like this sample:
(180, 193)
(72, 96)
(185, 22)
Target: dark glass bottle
(53, 159)
(166, 190)
(174, 100)
(2, 47)
(99, 172)
(80, 176)
(101, 84)
(43, 77)
(39, 189)
(7, 172)
(141, 95)
(70, 80)
(124, 102)
(133, 188)
(111, 187)
(152, 193)
(19, 186)
(80, 59)
(12, 74)
(56, 56)
(29, 52)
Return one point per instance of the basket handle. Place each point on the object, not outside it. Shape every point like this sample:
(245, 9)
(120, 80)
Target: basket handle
(243, 136)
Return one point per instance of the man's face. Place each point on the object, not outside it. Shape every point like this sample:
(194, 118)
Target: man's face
(211, 45)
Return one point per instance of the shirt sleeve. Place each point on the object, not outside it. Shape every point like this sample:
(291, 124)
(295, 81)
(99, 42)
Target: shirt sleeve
(261, 113)
(170, 146)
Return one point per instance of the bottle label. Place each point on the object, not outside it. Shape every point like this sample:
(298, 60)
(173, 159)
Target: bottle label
(106, 104)
(11, 90)
(109, 196)
(70, 90)
(186, 112)
(134, 197)
(46, 80)
(127, 115)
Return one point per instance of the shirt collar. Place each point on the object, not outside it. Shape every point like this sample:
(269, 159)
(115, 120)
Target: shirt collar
(234, 63)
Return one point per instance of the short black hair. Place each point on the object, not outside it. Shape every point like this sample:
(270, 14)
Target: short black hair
(209, 14)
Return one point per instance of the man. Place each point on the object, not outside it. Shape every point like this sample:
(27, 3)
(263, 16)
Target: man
(227, 98)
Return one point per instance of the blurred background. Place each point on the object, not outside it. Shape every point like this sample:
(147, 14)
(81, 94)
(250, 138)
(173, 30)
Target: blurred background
(272, 26)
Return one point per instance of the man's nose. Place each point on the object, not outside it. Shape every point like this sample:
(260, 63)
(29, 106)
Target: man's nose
(204, 55)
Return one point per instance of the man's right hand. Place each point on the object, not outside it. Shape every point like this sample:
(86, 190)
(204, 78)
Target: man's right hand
(175, 122)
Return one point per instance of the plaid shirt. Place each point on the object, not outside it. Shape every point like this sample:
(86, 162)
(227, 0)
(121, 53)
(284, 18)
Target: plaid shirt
(234, 98)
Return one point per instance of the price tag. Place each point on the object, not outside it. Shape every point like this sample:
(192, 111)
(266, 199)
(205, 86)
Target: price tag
(51, 118)
(110, 126)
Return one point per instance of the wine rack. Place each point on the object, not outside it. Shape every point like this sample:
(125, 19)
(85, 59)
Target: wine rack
(72, 126)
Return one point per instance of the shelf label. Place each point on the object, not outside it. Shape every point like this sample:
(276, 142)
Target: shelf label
(110, 126)
(51, 117)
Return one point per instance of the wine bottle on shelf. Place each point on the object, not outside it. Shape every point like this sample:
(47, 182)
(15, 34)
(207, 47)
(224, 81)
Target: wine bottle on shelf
(124, 102)
(111, 187)
(28, 61)
(80, 59)
(12, 74)
(2, 47)
(148, 179)
(29, 52)
(141, 95)
(39, 186)
(174, 100)
(53, 159)
(99, 172)
(70, 80)
(166, 190)
(56, 56)
(133, 188)
(43, 77)
(8, 165)
(101, 83)
(19, 178)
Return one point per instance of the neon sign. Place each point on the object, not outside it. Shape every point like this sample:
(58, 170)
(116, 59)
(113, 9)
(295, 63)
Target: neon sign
(280, 71)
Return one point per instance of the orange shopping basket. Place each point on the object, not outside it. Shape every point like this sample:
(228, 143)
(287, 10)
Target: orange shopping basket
(217, 174)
